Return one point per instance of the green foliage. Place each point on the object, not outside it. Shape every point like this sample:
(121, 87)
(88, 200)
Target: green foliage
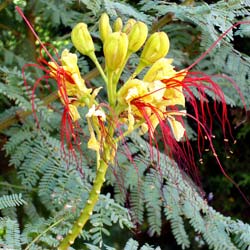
(133, 245)
(11, 201)
(10, 233)
(142, 192)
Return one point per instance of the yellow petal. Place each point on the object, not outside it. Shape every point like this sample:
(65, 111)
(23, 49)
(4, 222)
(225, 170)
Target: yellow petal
(161, 69)
(74, 112)
(130, 90)
(157, 90)
(177, 128)
(93, 143)
(70, 61)
(174, 96)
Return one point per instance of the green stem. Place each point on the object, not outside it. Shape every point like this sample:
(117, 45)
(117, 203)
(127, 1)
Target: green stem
(88, 209)
(111, 89)
(138, 69)
(44, 232)
(118, 75)
(98, 66)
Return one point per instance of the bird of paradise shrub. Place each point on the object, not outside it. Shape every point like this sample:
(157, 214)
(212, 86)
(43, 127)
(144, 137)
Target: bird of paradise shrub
(142, 103)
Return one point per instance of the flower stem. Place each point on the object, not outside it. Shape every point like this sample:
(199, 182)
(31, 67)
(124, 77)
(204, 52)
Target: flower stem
(88, 209)
(111, 88)
(98, 66)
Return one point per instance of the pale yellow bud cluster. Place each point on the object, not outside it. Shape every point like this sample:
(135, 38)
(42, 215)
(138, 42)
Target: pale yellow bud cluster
(119, 44)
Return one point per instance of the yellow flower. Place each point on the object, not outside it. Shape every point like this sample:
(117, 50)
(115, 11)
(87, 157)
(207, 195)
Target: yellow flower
(163, 70)
(174, 90)
(69, 62)
(130, 90)
(174, 96)
(92, 116)
(93, 112)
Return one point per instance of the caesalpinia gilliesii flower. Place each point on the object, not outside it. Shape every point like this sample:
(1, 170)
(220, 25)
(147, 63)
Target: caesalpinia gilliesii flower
(72, 90)
(155, 100)
(148, 100)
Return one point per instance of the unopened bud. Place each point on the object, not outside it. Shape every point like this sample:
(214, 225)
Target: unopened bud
(104, 27)
(115, 50)
(130, 23)
(118, 25)
(82, 39)
(137, 36)
(156, 47)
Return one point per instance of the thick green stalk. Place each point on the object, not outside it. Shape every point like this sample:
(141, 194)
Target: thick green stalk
(111, 89)
(88, 209)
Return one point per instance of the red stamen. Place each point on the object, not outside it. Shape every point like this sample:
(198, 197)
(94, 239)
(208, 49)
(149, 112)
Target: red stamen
(68, 129)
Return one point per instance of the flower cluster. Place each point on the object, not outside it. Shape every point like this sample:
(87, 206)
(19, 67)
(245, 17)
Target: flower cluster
(154, 95)
(138, 103)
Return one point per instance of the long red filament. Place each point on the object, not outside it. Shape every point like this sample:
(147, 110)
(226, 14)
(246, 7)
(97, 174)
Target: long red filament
(34, 33)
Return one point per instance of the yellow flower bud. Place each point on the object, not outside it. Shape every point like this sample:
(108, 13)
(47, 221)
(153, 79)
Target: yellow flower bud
(118, 25)
(137, 36)
(115, 50)
(104, 27)
(82, 39)
(130, 23)
(156, 47)
(161, 69)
